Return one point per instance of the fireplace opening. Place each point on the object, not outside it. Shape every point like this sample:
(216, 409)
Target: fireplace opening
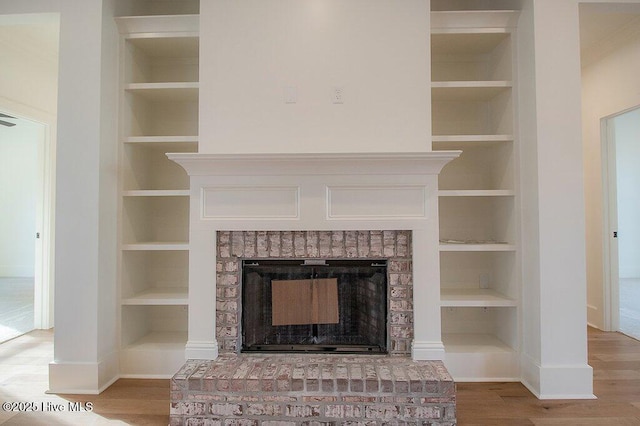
(314, 305)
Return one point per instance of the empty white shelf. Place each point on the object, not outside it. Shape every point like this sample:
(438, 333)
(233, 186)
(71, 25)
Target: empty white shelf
(474, 297)
(159, 296)
(150, 246)
(156, 193)
(180, 91)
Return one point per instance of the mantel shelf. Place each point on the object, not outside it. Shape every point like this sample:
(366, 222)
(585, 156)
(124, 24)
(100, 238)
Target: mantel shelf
(381, 163)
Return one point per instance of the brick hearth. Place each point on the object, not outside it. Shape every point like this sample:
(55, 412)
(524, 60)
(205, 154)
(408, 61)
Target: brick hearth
(285, 389)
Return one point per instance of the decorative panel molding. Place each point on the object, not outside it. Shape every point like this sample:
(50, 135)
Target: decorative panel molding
(376, 202)
(255, 202)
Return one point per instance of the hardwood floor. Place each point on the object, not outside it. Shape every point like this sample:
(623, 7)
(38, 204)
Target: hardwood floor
(614, 357)
(16, 307)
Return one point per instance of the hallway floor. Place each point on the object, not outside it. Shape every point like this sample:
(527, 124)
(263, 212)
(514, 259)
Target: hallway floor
(16, 307)
(630, 307)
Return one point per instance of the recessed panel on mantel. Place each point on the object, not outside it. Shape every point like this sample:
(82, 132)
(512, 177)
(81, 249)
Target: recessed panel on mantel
(240, 202)
(377, 202)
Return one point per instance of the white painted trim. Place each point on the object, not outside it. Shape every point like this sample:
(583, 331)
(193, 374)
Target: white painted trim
(557, 381)
(611, 303)
(86, 378)
(427, 351)
(377, 163)
(158, 24)
(201, 350)
(473, 20)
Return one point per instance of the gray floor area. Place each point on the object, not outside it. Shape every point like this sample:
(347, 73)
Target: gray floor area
(16, 307)
(630, 307)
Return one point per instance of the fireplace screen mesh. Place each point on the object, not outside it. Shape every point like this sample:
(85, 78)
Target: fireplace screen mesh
(332, 305)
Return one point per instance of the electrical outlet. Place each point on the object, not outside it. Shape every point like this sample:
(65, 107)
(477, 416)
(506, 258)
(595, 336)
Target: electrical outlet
(483, 280)
(290, 94)
(337, 95)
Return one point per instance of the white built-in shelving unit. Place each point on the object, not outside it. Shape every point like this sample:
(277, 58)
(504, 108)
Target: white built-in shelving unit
(473, 110)
(159, 73)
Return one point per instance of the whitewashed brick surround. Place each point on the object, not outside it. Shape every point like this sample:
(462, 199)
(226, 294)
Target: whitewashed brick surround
(394, 246)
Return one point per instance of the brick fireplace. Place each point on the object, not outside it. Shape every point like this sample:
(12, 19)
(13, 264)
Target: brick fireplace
(322, 206)
(392, 246)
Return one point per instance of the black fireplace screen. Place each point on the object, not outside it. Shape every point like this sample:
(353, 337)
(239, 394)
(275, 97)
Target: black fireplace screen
(314, 305)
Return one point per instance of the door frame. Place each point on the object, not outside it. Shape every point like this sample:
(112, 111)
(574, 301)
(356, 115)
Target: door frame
(45, 217)
(611, 275)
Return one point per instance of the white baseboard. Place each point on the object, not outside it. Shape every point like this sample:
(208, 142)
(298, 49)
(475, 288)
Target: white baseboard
(201, 350)
(427, 351)
(86, 378)
(558, 381)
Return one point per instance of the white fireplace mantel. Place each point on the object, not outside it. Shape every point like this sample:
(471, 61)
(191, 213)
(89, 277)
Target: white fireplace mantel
(430, 162)
(342, 191)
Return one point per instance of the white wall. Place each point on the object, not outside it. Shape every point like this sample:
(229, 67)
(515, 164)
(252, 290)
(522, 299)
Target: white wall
(627, 140)
(376, 50)
(20, 185)
(609, 86)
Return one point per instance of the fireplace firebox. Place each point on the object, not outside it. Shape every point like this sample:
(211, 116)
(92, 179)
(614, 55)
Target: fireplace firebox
(314, 305)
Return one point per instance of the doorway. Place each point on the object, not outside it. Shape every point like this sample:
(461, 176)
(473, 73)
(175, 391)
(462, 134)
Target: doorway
(22, 211)
(621, 156)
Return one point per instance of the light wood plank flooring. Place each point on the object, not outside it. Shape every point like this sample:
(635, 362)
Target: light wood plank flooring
(630, 306)
(16, 307)
(614, 357)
